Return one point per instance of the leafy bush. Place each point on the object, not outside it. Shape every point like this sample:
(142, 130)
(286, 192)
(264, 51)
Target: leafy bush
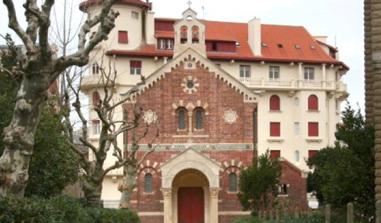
(316, 218)
(59, 210)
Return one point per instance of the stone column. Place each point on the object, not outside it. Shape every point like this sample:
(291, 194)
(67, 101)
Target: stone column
(167, 197)
(300, 75)
(214, 205)
(324, 76)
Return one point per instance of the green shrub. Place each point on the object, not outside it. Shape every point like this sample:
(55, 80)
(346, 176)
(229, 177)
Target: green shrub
(316, 218)
(59, 210)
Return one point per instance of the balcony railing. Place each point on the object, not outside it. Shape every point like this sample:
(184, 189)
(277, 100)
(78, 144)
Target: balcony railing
(295, 84)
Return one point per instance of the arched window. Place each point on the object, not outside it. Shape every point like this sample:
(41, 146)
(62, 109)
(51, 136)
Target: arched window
(274, 103)
(184, 34)
(195, 34)
(181, 118)
(199, 118)
(313, 103)
(148, 188)
(233, 182)
(96, 98)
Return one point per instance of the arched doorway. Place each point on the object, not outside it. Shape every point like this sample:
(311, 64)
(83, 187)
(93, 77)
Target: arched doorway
(190, 188)
(190, 169)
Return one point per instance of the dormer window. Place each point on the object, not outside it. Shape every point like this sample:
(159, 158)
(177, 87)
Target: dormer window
(165, 44)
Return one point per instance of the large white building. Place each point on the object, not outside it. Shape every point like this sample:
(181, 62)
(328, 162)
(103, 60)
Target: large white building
(291, 78)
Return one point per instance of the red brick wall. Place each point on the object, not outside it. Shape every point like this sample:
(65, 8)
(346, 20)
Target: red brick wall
(298, 185)
(216, 97)
(214, 93)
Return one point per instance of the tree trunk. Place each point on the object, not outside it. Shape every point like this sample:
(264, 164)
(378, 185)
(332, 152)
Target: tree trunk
(376, 77)
(92, 189)
(19, 135)
(128, 186)
(368, 62)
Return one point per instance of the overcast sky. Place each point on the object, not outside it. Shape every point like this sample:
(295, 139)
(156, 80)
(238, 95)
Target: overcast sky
(340, 20)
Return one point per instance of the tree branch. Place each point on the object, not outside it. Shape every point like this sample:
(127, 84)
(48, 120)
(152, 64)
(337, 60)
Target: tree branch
(15, 26)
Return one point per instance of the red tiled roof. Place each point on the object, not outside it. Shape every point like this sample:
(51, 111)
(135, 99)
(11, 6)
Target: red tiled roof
(83, 6)
(297, 45)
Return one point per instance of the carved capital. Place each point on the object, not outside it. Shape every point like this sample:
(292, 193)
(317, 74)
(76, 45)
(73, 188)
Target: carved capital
(214, 192)
(167, 193)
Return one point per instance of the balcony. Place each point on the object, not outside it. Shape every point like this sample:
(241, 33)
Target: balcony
(295, 85)
(90, 81)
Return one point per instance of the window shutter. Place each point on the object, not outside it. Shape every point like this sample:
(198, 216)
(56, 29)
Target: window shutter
(275, 154)
(274, 103)
(313, 103)
(96, 98)
(312, 153)
(275, 129)
(123, 37)
(313, 129)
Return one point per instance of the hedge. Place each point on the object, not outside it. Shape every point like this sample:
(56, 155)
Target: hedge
(59, 210)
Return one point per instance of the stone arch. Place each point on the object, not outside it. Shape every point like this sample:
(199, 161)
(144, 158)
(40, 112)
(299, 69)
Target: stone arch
(190, 159)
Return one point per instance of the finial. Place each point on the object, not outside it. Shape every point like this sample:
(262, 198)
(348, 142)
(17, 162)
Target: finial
(189, 3)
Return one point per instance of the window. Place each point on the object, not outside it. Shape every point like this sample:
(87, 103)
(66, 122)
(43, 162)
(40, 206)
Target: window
(275, 129)
(274, 103)
(297, 156)
(296, 128)
(135, 15)
(123, 37)
(275, 154)
(199, 116)
(135, 67)
(274, 72)
(309, 73)
(95, 68)
(181, 115)
(313, 129)
(282, 189)
(96, 127)
(165, 44)
(148, 188)
(244, 71)
(312, 153)
(313, 103)
(233, 182)
(184, 34)
(96, 98)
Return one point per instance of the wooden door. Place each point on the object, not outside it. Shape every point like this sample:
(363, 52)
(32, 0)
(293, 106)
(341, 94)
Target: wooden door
(191, 205)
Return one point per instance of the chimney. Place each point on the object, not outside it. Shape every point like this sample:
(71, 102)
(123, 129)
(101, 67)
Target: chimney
(254, 37)
(150, 27)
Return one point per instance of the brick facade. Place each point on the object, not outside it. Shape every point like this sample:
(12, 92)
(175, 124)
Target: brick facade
(230, 144)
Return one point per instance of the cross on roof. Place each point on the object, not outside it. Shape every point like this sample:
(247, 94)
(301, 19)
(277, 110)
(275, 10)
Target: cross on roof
(189, 3)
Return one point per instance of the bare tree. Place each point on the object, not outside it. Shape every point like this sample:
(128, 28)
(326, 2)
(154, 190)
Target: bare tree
(38, 68)
(93, 164)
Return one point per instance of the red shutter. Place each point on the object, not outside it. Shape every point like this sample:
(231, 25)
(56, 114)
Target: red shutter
(312, 153)
(275, 129)
(123, 37)
(274, 154)
(96, 98)
(274, 103)
(136, 64)
(313, 129)
(313, 103)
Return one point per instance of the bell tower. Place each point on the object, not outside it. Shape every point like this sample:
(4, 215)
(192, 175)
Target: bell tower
(189, 33)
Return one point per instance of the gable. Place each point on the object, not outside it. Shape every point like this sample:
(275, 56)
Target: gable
(191, 56)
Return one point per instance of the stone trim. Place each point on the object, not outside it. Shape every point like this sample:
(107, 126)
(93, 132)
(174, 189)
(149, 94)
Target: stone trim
(199, 147)
(145, 214)
(233, 213)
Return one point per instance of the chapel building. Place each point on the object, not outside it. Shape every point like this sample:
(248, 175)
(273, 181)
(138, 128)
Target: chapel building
(220, 94)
